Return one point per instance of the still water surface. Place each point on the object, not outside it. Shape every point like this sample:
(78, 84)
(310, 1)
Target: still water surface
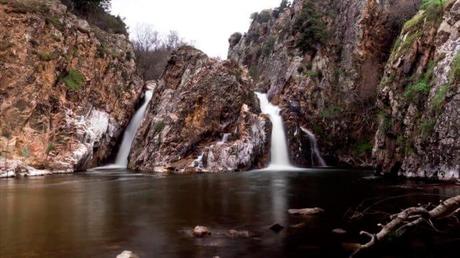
(100, 214)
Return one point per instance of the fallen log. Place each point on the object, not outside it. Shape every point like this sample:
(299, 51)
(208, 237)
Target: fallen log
(411, 217)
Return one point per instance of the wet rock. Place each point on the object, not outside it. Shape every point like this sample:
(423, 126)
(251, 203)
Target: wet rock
(201, 231)
(339, 231)
(276, 228)
(238, 233)
(306, 211)
(127, 254)
(65, 96)
(197, 100)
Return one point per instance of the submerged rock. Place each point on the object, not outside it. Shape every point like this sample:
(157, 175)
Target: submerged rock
(239, 233)
(199, 100)
(276, 228)
(306, 211)
(339, 231)
(201, 231)
(127, 254)
(67, 90)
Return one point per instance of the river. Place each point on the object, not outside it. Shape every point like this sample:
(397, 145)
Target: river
(102, 213)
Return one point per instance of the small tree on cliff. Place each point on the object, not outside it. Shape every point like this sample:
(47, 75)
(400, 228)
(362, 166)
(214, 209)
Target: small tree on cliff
(85, 5)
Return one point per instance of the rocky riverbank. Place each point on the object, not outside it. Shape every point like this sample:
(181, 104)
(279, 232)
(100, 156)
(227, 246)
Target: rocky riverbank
(373, 80)
(67, 89)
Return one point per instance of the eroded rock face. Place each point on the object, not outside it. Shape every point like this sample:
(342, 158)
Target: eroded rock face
(419, 124)
(67, 90)
(322, 61)
(203, 117)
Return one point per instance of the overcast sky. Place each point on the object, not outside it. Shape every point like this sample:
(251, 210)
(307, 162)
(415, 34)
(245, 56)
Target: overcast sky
(207, 23)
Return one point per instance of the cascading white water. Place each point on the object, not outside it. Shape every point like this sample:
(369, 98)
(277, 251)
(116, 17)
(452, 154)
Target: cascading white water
(130, 133)
(279, 150)
(315, 154)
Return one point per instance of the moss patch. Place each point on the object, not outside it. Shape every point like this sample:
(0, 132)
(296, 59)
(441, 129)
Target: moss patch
(363, 147)
(331, 112)
(74, 80)
(48, 56)
(455, 69)
(427, 127)
(439, 98)
(54, 21)
(420, 87)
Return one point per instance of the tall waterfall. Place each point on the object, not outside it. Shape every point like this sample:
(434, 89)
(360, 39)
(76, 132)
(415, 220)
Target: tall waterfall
(315, 154)
(130, 133)
(279, 149)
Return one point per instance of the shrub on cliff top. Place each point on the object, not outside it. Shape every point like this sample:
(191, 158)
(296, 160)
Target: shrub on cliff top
(96, 12)
(310, 27)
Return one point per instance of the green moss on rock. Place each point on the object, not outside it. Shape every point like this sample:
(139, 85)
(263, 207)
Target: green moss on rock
(74, 80)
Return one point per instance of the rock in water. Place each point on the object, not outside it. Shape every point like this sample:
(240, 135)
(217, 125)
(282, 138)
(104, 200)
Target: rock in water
(201, 231)
(276, 228)
(339, 231)
(198, 100)
(127, 254)
(67, 89)
(238, 233)
(306, 211)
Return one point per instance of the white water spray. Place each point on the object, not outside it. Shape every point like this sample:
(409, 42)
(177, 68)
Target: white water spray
(128, 137)
(279, 150)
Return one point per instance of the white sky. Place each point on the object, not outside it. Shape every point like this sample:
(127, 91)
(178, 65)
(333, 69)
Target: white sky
(206, 23)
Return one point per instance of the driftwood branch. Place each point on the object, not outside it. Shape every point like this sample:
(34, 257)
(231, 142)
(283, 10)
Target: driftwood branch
(412, 217)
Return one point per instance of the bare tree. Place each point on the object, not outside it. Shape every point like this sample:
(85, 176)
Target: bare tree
(146, 38)
(153, 50)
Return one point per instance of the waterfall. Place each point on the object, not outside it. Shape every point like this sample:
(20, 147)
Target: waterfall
(279, 149)
(130, 133)
(224, 138)
(315, 154)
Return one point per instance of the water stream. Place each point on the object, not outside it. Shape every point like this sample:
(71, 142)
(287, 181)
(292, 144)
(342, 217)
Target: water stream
(279, 150)
(130, 133)
(316, 158)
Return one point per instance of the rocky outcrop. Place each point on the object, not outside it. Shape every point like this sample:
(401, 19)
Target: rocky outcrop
(322, 61)
(203, 117)
(419, 100)
(67, 89)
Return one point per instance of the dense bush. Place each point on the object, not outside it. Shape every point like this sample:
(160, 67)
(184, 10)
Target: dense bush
(310, 28)
(96, 12)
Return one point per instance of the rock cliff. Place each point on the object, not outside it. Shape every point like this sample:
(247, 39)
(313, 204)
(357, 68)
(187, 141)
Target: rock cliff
(67, 89)
(322, 62)
(419, 99)
(203, 117)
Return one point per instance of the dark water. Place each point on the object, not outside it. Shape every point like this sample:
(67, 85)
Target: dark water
(100, 214)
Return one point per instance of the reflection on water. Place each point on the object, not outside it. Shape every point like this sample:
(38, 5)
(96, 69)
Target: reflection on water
(100, 214)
